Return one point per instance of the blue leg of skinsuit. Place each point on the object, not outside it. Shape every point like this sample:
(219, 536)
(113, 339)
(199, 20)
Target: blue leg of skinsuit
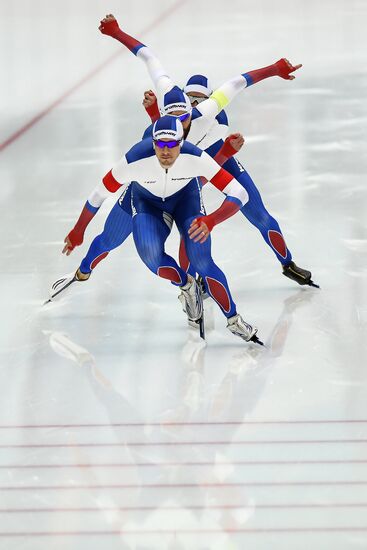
(256, 213)
(200, 254)
(117, 228)
(150, 233)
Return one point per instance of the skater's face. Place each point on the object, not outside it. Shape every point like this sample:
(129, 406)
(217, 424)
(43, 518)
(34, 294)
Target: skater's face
(166, 155)
(186, 123)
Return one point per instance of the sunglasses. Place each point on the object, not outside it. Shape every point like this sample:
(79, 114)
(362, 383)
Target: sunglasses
(185, 116)
(170, 144)
(193, 98)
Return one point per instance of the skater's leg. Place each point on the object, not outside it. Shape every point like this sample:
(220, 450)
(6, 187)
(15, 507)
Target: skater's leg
(198, 254)
(117, 228)
(184, 260)
(215, 280)
(256, 213)
(150, 234)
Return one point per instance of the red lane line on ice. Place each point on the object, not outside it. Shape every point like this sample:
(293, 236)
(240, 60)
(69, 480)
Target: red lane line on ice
(144, 424)
(183, 507)
(183, 485)
(171, 464)
(176, 443)
(161, 532)
(13, 137)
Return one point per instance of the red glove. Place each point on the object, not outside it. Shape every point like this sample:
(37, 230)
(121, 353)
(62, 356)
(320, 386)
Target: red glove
(201, 227)
(73, 239)
(227, 150)
(109, 26)
(281, 68)
(208, 220)
(151, 105)
(284, 68)
(76, 235)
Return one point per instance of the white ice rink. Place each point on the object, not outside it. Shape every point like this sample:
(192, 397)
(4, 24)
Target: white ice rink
(118, 430)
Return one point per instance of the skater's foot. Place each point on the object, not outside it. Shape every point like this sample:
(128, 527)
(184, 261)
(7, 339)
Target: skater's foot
(244, 330)
(191, 299)
(62, 284)
(298, 274)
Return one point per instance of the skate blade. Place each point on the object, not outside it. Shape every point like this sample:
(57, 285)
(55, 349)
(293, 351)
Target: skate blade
(256, 340)
(52, 299)
(199, 324)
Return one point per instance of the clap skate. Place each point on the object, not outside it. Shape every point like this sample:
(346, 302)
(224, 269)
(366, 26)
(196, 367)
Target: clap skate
(63, 283)
(201, 284)
(240, 328)
(301, 276)
(192, 304)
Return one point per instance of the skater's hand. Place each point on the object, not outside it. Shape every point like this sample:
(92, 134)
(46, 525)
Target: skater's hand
(149, 99)
(284, 68)
(235, 140)
(109, 25)
(75, 238)
(198, 230)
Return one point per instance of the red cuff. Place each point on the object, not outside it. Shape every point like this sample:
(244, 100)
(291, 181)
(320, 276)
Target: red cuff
(110, 183)
(261, 74)
(76, 235)
(153, 112)
(227, 149)
(221, 179)
(227, 209)
(225, 152)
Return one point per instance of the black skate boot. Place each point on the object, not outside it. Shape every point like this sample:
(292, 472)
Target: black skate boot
(301, 276)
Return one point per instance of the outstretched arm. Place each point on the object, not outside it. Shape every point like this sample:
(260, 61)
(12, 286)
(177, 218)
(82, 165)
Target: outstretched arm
(221, 97)
(236, 197)
(230, 147)
(159, 76)
(103, 190)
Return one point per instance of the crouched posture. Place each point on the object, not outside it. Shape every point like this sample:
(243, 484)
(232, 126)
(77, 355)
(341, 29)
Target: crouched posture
(165, 172)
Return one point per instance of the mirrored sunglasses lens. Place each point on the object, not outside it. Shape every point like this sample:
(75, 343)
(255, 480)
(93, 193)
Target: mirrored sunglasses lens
(169, 144)
(194, 99)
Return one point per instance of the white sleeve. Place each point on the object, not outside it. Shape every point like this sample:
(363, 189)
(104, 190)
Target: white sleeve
(121, 171)
(112, 182)
(216, 132)
(161, 80)
(208, 108)
(222, 96)
(208, 166)
(222, 180)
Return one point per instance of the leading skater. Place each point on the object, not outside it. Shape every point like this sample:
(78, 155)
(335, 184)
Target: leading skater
(164, 174)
